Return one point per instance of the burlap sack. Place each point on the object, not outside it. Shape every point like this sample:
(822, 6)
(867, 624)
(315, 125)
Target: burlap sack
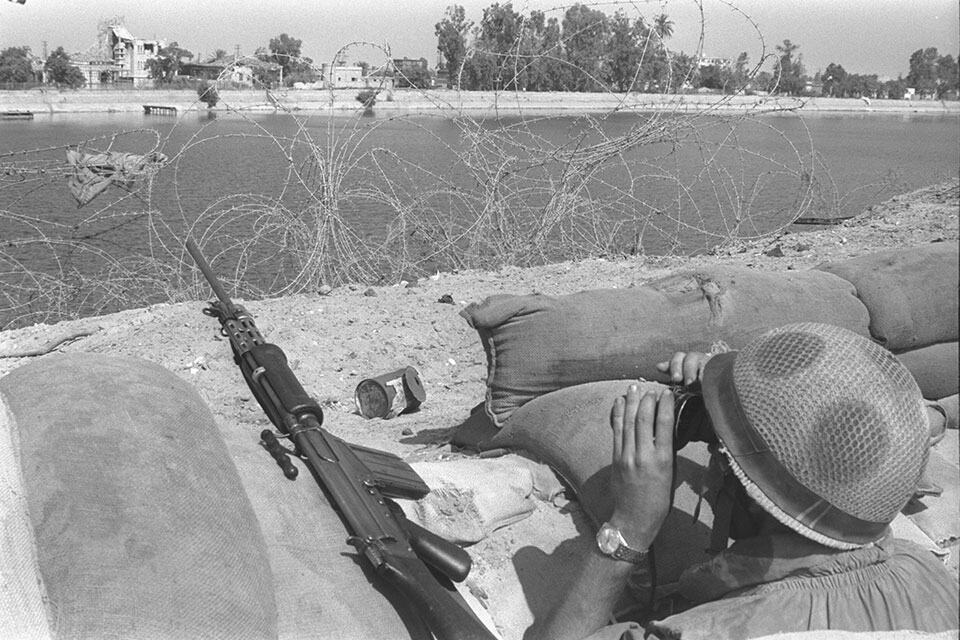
(569, 430)
(22, 592)
(140, 524)
(536, 344)
(911, 293)
(935, 368)
(140, 509)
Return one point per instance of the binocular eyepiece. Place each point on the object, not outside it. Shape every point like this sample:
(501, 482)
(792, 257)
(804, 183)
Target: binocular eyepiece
(691, 420)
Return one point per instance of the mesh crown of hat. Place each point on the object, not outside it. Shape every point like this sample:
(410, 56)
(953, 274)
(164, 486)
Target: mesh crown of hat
(841, 413)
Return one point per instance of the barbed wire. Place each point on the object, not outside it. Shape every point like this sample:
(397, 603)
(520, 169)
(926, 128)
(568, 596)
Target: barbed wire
(351, 200)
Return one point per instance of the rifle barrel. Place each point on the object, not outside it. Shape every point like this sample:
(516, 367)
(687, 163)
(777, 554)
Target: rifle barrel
(208, 273)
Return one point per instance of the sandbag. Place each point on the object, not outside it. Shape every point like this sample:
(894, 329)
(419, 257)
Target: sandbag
(536, 344)
(142, 528)
(935, 368)
(22, 592)
(470, 498)
(569, 430)
(911, 293)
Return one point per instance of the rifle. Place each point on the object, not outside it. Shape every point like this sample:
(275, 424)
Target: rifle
(359, 481)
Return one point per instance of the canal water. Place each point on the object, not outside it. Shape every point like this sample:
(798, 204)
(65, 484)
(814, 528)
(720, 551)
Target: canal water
(419, 184)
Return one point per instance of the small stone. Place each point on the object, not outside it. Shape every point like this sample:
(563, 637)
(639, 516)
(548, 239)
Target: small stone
(370, 293)
(407, 431)
(325, 290)
(776, 252)
(445, 299)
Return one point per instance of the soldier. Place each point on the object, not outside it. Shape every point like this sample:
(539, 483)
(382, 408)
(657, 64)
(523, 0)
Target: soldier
(821, 438)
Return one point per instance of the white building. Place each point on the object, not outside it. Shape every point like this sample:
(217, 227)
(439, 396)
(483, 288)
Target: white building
(713, 62)
(341, 76)
(117, 57)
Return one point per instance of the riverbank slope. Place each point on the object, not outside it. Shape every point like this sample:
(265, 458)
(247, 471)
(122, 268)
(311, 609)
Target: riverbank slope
(336, 340)
(441, 101)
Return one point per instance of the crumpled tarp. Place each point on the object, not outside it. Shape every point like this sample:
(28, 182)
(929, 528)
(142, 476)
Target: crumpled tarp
(94, 172)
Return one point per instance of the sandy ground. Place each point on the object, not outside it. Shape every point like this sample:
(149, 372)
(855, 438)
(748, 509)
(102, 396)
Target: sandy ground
(335, 340)
(447, 101)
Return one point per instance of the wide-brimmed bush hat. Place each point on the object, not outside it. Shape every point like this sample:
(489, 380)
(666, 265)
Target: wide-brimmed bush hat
(826, 430)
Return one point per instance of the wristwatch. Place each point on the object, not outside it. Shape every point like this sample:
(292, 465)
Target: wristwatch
(611, 543)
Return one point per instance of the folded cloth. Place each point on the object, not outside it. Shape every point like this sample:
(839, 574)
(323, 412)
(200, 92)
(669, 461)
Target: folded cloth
(94, 172)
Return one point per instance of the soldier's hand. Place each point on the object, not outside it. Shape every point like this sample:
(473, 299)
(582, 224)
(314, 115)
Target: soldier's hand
(685, 367)
(642, 472)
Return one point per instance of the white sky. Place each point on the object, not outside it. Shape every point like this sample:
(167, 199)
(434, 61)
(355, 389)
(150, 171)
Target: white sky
(865, 36)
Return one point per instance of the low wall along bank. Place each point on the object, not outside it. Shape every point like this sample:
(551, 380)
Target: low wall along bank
(93, 101)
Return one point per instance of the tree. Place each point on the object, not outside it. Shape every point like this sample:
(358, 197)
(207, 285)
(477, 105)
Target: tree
(285, 51)
(741, 75)
(15, 65)
(61, 72)
(663, 26)
(712, 77)
(165, 67)
(895, 89)
(948, 75)
(624, 54)
(791, 69)
(208, 93)
(451, 35)
(368, 98)
(833, 81)
(585, 34)
(923, 73)
(498, 40)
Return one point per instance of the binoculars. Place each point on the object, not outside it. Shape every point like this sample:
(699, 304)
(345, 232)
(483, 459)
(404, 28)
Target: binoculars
(691, 420)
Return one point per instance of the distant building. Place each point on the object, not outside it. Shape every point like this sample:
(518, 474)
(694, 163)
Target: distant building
(343, 76)
(713, 62)
(117, 57)
(411, 73)
(226, 70)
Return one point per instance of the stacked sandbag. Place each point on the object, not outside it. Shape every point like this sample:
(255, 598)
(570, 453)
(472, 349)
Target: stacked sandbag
(912, 297)
(911, 293)
(149, 520)
(569, 430)
(22, 593)
(536, 344)
(138, 524)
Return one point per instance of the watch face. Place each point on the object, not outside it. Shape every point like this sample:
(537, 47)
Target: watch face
(608, 539)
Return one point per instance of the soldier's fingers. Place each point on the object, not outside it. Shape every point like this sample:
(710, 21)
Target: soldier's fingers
(644, 424)
(676, 366)
(663, 436)
(691, 366)
(631, 405)
(616, 423)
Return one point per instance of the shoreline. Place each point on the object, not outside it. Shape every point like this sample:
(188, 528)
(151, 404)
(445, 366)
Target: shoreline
(451, 102)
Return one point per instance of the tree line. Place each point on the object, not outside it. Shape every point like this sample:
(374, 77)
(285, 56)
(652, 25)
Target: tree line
(589, 50)
(585, 49)
(16, 66)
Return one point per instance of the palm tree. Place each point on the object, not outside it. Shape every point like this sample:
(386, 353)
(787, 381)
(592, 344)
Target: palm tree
(663, 26)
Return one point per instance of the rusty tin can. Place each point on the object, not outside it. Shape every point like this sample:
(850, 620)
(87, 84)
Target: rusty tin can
(390, 394)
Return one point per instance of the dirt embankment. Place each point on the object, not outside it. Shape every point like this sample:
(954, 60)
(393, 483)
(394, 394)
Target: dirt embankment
(337, 339)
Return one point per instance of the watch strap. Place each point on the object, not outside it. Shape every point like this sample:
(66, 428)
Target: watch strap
(622, 551)
(628, 554)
